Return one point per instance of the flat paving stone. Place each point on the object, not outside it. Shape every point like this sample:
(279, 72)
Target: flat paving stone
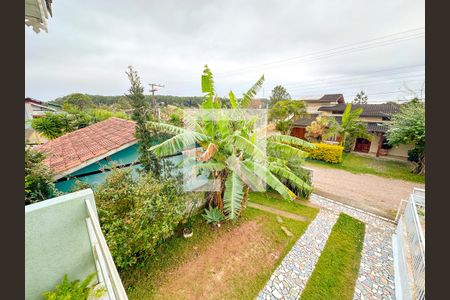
(376, 270)
(376, 273)
(289, 279)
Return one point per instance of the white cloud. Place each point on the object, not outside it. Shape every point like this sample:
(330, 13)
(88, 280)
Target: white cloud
(91, 43)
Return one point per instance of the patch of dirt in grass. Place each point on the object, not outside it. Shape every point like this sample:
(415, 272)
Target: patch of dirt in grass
(243, 252)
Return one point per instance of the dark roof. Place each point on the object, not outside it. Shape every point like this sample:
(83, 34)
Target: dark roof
(305, 120)
(34, 101)
(369, 110)
(376, 127)
(338, 98)
(332, 97)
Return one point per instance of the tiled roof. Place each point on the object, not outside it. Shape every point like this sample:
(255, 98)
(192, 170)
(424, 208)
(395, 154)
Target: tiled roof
(327, 99)
(75, 148)
(305, 120)
(376, 127)
(369, 110)
(331, 97)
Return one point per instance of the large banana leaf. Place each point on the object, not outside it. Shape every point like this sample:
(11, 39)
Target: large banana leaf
(291, 140)
(285, 173)
(270, 179)
(178, 143)
(248, 96)
(233, 195)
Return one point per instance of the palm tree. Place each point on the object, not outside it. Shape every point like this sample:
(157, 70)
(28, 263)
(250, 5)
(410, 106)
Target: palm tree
(349, 129)
(232, 153)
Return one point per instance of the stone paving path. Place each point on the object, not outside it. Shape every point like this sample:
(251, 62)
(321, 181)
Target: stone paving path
(376, 274)
(376, 271)
(289, 279)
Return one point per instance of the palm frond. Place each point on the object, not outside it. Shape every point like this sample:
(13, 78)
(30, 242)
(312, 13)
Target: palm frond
(291, 140)
(247, 175)
(248, 147)
(248, 96)
(234, 192)
(208, 88)
(210, 166)
(285, 151)
(270, 179)
(178, 143)
(233, 101)
(286, 173)
(163, 127)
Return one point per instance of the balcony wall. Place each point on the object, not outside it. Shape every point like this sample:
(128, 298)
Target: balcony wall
(57, 242)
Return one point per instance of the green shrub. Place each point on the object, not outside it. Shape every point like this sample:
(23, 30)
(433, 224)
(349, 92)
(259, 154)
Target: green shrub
(213, 216)
(74, 290)
(38, 179)
(326, 152)
(137, 213)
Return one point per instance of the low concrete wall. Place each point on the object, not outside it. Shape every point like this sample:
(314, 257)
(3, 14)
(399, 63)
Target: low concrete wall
(57, 242)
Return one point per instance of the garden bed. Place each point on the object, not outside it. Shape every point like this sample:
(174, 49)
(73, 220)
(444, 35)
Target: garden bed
(231, 262)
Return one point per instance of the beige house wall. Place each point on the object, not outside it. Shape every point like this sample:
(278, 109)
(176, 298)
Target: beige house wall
(374, 143)
(400, 150)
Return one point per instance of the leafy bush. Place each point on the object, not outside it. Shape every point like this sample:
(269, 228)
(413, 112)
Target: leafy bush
(137, 214)
(326, 152)
(52, 125)
(74, 290)
(213, 216)
(38, 179)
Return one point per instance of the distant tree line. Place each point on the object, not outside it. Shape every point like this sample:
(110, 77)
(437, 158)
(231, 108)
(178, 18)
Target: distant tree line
(185, 101)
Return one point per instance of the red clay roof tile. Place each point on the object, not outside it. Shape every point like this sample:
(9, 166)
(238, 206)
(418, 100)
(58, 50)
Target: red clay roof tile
(77, 147)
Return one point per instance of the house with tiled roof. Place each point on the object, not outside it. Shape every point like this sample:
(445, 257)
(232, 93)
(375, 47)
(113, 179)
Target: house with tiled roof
(374, 116)
(312, 108)
(86, 153)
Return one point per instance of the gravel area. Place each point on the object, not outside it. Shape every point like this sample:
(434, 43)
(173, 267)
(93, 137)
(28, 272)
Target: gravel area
(372, 193)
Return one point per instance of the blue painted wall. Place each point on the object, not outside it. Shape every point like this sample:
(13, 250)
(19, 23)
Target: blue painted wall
(125, 156)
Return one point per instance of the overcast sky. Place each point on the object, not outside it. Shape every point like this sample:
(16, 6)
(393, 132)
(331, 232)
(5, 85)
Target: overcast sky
(310, 47)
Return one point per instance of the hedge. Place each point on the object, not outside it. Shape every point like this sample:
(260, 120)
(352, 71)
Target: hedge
(326, 152)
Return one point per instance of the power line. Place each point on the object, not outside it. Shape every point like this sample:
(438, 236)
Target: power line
(365, 82)
(372, 43)
(345, 77)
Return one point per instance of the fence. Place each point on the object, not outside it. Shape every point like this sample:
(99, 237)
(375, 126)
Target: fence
(416, 241)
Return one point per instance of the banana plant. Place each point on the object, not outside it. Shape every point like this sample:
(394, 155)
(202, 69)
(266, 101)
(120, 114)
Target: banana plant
(232, 153)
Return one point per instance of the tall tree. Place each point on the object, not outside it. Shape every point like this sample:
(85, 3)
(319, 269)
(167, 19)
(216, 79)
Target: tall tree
(142, 114)
(408, 126)
(349, 129)
(284, 112)
(361, 98)
(78, 100)
(231, 151)
(279, 93)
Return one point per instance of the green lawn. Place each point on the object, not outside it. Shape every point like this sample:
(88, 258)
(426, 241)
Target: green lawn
(335, 273)
(144, 282)
(371, 165)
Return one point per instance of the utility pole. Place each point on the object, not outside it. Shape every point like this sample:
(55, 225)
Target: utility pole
(153, 90)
